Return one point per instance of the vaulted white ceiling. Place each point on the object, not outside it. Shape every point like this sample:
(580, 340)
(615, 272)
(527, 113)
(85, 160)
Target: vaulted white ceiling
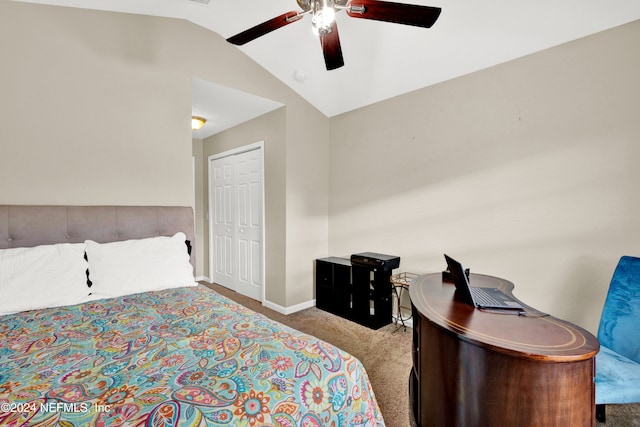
(383, 60)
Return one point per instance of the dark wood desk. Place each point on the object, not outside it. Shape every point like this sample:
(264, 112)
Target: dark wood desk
(477, 368)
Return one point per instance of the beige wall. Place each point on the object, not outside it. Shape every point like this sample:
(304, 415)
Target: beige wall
(72, 133)
(200, 224)
(528, 171)
(307, 201)
(109, 99)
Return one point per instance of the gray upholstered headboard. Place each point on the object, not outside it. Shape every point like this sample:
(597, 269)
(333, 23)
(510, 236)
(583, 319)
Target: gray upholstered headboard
(33, 225)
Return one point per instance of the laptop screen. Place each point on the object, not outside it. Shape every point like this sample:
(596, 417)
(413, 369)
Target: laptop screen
(459, 279)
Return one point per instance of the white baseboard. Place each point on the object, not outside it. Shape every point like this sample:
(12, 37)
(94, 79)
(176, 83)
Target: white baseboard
(289, 310)
(273, 306)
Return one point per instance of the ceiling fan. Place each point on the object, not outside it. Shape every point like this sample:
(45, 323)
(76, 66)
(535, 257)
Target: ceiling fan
(323, 20)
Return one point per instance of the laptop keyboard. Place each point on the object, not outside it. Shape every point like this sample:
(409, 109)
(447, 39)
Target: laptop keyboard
(483, 298)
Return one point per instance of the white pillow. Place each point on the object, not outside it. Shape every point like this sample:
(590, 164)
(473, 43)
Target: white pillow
(135, 266)
(42, 276)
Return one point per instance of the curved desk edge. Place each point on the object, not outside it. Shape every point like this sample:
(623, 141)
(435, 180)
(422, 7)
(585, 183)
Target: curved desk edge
(477, 368)
(534, 335)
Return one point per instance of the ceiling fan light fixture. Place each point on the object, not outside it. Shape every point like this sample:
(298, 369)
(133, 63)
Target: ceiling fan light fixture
(328, 15)
(323, 17)
(197, 122)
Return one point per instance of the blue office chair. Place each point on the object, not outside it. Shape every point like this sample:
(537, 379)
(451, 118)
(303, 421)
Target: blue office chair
(618, 362)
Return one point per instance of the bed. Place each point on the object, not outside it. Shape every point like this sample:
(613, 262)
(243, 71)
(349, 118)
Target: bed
(137, 352)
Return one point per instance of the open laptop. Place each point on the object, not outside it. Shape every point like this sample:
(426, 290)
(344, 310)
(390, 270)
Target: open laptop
(490, 298)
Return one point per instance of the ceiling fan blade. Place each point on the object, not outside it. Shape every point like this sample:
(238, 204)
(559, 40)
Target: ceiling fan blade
(264, 28)
(398, 13)
(331, 48)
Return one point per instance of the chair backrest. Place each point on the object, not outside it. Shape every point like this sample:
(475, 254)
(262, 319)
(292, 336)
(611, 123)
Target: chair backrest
(619, 327)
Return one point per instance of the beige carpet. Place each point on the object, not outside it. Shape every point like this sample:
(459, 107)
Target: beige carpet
(386, 355)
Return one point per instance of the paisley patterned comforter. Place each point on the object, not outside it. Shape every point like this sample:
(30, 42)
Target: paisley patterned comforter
(185, 356)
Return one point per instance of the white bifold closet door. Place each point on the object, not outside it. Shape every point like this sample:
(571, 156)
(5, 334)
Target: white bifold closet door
(236, 221)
